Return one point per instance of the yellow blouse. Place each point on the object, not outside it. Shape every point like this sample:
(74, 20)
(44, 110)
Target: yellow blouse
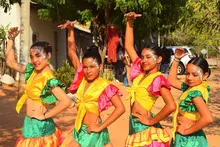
(88, 101)
(34, 88)
(138, 92)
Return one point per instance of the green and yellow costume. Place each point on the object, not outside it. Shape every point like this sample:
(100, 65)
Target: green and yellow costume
(39, 132)
(187, 108)
(141, 135)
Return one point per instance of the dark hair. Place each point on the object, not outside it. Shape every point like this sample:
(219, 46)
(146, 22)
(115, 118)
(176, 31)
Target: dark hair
(202, 63)
(164, 53)
(93, 52)
(45, 45)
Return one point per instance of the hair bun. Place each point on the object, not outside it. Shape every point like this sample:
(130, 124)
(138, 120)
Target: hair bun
(93, 48)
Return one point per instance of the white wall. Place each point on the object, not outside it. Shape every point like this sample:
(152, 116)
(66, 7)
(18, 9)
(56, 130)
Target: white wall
(43, 28)
(12, 18)
(46, 31)
(62, 47)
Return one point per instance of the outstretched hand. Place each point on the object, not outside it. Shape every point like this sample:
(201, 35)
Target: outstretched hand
(67, 25)
(144, 119)
(13, 32)
(179, 53)
(132, 15)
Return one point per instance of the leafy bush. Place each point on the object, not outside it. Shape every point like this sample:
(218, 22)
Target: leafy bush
(65, 73)
(212, 53)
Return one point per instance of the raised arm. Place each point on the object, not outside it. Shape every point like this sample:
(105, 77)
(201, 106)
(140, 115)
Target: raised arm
(72, 52)
(10, 55)
(172, 78)
(129, 35)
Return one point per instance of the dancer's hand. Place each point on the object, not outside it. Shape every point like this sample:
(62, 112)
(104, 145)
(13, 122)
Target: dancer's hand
(67, 25)
(94, 128)
(179, 53)
(37, 114)
(181, 129)
(132, 15)
(144, 119)
(13, 32)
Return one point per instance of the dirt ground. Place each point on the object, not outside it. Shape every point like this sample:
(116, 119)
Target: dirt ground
(11, 122)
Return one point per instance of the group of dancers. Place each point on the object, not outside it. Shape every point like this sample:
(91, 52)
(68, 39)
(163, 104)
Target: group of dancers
(95, 94)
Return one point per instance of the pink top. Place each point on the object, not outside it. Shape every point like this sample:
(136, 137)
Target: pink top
(158, 82)
(104, 100)
(136, 68)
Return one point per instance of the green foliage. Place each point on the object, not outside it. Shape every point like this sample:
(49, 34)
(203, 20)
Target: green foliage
(6, 4)
(199, 26)
(205, 16)
(157, 15)
(3, 32)
(86, 15)
(60, 10)
(3, 37)
(44, 14)
(212, 53)
(108, 74)
(65, 73)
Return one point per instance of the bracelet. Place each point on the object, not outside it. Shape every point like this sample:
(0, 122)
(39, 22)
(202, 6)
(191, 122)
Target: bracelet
(177, 60)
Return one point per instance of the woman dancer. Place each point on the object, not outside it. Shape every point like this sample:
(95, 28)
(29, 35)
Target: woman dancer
(94, 95)
(148, 84)
(41, 90)
(192, 114)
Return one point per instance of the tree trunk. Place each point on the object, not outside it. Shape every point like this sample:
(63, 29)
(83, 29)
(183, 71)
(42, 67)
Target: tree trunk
(103, 53)
(24, 44)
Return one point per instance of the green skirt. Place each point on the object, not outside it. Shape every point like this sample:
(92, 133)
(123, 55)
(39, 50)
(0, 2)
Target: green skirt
(197, 139)
(33, 128)
(91, 140)
(135, 126)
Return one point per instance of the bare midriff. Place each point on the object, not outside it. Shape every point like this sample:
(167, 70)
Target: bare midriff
(136, 108)
(91, 118)
(32, 106)
(186, 122)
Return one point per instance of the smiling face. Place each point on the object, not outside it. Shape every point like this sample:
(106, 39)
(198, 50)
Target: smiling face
(194, 75)
(91, 68)
(149, 60)
(38, 57)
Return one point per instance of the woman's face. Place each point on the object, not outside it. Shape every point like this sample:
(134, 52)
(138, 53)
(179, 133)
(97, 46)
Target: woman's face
(149, 60)
(91, 68)
(194, 75)
(38, 58)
